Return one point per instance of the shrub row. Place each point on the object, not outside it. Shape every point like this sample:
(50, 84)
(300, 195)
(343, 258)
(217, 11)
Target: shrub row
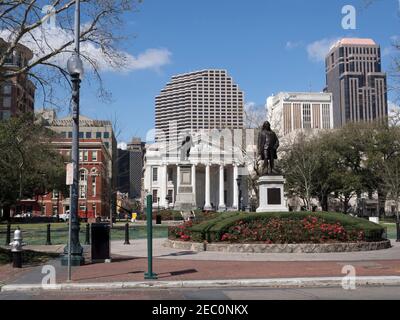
(212, 230)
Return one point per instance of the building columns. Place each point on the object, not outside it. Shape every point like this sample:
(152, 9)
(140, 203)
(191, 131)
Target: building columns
(221, 206)
(207, 205)
(178, 178)
(164, 186)
(194, 181)
(235, 187)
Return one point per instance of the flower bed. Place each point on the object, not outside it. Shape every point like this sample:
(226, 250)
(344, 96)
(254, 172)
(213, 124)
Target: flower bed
(280, 231)
(181, 232)
(279, 228)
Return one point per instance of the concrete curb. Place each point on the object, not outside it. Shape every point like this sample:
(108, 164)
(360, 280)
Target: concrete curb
(265, 283)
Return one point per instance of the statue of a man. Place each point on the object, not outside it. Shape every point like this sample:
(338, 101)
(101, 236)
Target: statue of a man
(187, 144)
(268, 144)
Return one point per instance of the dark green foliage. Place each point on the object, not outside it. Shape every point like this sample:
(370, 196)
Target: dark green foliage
(29, 165)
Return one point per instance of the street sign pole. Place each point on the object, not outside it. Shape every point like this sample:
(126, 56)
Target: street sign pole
(150, 275)
(69, 182)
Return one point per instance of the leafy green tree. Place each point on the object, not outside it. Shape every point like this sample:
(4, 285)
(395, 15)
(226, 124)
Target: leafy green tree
(29, 165)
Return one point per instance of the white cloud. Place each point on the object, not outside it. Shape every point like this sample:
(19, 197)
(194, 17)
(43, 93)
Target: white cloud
(42, 41)
(318, 50)
(122, 145)
(150, 59)
(293, 44)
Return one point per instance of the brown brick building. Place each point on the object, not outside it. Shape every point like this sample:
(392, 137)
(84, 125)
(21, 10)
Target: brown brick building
(93, 183)
(17, 94)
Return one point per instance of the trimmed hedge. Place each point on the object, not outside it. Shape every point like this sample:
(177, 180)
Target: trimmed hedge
(212, 230)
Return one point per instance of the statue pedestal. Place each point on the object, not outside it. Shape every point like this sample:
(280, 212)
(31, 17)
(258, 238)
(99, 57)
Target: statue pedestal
(185, 197)
(272, 196)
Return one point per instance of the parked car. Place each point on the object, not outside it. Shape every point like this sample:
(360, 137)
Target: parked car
(64, 216)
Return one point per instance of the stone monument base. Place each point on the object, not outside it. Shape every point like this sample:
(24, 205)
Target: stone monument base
(272, 196)
(185, 202)
(185, 197)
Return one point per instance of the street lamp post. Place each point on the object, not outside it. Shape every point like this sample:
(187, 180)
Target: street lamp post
(75, 69)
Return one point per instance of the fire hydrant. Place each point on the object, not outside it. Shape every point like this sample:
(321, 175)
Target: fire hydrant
(16, 248)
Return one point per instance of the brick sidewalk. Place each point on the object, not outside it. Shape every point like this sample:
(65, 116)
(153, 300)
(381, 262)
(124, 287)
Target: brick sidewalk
(132, 269)
(191, 266)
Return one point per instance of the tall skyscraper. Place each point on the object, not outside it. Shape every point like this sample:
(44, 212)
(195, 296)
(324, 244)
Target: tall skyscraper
(206, 99)
(355, 78)
(130, 169)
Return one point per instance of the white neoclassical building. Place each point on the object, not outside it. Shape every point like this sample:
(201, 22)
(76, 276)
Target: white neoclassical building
(217, 176)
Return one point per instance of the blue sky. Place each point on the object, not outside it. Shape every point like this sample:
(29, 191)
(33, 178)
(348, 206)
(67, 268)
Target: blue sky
(264, 45)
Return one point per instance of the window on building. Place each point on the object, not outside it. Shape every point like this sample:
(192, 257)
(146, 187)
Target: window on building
(85, 155)
(155, 195)
(94, 156)
(7, 89)
(7, 102)
(107, 144)
(94, 209)
(82, 191)
(93, 186)
(106, 135)
(170, 196)
(155, 174)
(98, 135)
(88, 135)
(6, 115)
(326, 116)
(307, 116)
(70, 134)
(82, 175)
(80, 135)
(55, 194)
(81, 156)
(82, 208)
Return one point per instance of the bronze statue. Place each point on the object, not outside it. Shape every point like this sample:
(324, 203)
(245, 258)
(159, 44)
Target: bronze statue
(268, 144)
(187, 144)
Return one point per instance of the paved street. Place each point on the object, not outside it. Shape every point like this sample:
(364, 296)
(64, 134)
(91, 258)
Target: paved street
(362, 293)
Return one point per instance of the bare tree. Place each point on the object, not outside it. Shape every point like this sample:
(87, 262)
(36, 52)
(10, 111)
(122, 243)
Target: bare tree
(391, 179)
(301, 166)
(46, 27)
(254, 116)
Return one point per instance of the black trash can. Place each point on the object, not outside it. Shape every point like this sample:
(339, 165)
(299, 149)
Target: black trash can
(158, 219)
(100, 242)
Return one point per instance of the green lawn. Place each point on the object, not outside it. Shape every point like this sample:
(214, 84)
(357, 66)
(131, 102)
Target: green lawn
(28, 257)
(391, 229)
(35, 234)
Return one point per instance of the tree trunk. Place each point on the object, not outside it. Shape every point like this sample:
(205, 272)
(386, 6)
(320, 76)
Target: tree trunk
(6, 213)
(325, 205)
(381, 203)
